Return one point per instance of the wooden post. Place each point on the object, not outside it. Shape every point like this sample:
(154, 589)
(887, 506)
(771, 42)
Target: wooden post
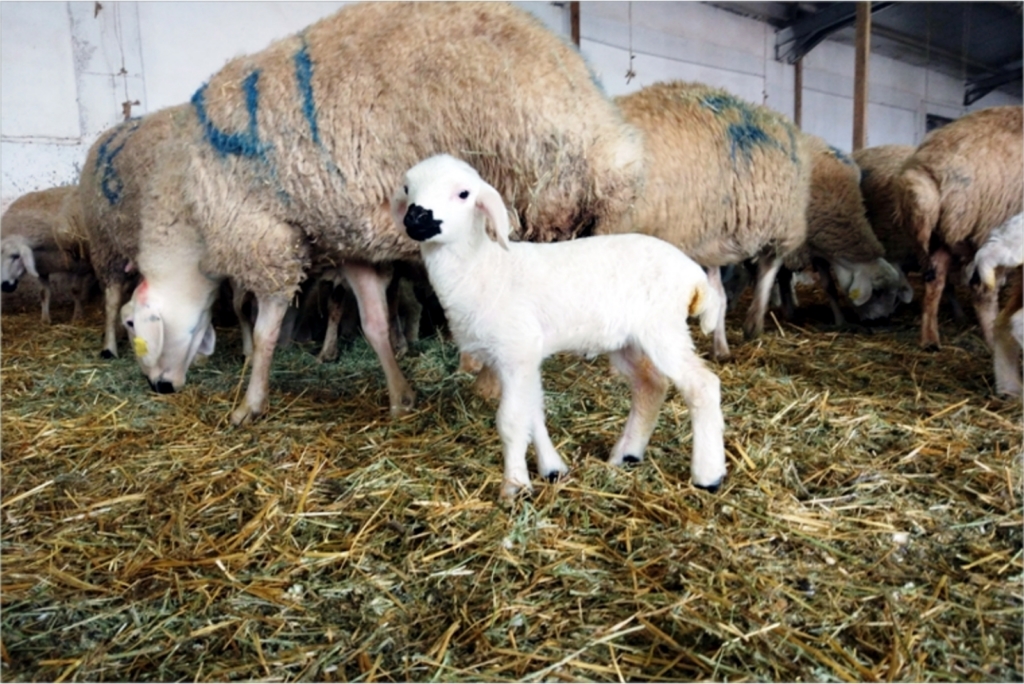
(860, 75)
(574, 22)
(798, 92)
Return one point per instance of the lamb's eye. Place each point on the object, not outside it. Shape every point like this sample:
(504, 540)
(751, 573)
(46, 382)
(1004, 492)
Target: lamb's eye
(464, 194)
(405, 188)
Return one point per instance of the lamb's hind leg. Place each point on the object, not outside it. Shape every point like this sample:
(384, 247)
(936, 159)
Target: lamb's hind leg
(648, 387)
(701, 391)
(370, 287)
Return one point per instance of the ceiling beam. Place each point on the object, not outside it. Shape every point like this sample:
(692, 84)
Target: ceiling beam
(797, 39)
(977, 88)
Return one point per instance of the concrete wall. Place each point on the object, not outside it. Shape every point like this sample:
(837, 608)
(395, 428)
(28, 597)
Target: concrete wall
(71, 70)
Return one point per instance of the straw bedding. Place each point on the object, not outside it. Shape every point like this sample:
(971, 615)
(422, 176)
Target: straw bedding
(870, 527)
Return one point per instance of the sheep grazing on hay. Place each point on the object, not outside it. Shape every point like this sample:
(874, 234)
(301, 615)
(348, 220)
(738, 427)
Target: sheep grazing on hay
(965, 179)
(1003, 250)
(726, 181)
(514, 304)
(840, 241)
(42, 236)
(292, 154)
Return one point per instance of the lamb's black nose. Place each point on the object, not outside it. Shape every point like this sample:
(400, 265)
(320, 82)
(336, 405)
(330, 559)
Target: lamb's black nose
(420, 223)
(162, 387)
(8, 286)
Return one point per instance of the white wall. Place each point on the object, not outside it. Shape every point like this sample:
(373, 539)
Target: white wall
(68, 69)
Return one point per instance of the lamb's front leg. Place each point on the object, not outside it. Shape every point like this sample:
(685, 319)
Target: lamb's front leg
(648, 387)
(268, 326)
(521, 404)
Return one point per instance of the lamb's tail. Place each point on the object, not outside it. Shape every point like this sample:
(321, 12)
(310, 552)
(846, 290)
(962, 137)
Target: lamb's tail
(706, 304)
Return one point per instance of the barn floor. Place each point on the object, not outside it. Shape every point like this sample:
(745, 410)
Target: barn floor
(870, 527)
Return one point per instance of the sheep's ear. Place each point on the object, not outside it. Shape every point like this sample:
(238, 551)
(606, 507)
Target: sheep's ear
(399, 205)
(28, 259)
(855, 282)
(489, 202)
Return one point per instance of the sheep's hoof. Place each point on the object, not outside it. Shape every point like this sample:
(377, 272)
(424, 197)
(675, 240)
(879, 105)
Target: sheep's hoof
(930, 346)
(631, 460)
(711, 488)
(107, 354)
(242, 416)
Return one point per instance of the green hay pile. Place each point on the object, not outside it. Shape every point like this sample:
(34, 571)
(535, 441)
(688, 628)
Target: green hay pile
(870, 527)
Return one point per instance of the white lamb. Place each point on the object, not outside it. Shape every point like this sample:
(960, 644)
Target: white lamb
(513, 304)
(1004, 249)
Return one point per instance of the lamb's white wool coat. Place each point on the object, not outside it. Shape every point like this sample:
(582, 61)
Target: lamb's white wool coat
(1004, 248)
(513, 304)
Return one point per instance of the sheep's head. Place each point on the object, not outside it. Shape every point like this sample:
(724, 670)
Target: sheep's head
(16, 259)
(875, 288)
(166, 333)
(443, 199)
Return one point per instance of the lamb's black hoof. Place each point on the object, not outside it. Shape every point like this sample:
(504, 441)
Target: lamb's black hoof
(554, 476)
(106, 354)
(630, 459)
(711, 489)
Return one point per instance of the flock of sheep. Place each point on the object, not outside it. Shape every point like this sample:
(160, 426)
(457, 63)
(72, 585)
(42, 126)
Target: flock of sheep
(318, 158)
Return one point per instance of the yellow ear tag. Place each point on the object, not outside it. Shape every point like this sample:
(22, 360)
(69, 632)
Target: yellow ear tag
(141, 348)
(854, 295)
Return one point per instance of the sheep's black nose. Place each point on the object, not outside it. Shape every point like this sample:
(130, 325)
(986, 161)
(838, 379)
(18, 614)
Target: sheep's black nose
(162, 387)
(8, 286)
(420, 223)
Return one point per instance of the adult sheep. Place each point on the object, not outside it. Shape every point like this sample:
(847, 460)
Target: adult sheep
(840, 241)
(726, 181)
(292, 154)
(42, 236)
(965, 179)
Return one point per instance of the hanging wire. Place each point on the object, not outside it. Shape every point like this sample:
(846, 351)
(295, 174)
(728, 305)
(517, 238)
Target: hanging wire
(126, 106)
(965, 46)
(630, 74)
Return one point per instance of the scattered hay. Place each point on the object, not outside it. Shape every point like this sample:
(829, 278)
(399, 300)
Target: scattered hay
(870, 527)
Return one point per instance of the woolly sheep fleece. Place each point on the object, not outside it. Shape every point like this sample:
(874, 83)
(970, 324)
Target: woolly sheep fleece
(316, 130)
(965, 179)
(117, 168)
(837, 225)
(49, 221)
(879, 167)
(726, 180)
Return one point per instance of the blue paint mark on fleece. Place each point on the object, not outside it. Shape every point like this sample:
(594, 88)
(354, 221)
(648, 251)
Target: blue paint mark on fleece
(304, 77)
(110, 180)
(841, 156)
(245, 144)
(746, 134)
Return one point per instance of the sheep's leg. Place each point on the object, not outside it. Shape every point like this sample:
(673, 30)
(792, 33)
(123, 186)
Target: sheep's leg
(396, 330)
(1006, 349)
(786, 299)
(701, 390)
(521, 402)
(829, 285)
(112, 295)
(335, 310)
(268, 326)
(767, 268)
(935, 283)
(719, 343)
(44, 292)
(648, 387)
(80, 285)
(369, 288)
(412, 311)
(986, 307)
(238, 294)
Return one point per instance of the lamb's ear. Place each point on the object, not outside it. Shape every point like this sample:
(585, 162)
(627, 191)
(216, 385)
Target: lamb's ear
(28, 259)
(489, 202)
